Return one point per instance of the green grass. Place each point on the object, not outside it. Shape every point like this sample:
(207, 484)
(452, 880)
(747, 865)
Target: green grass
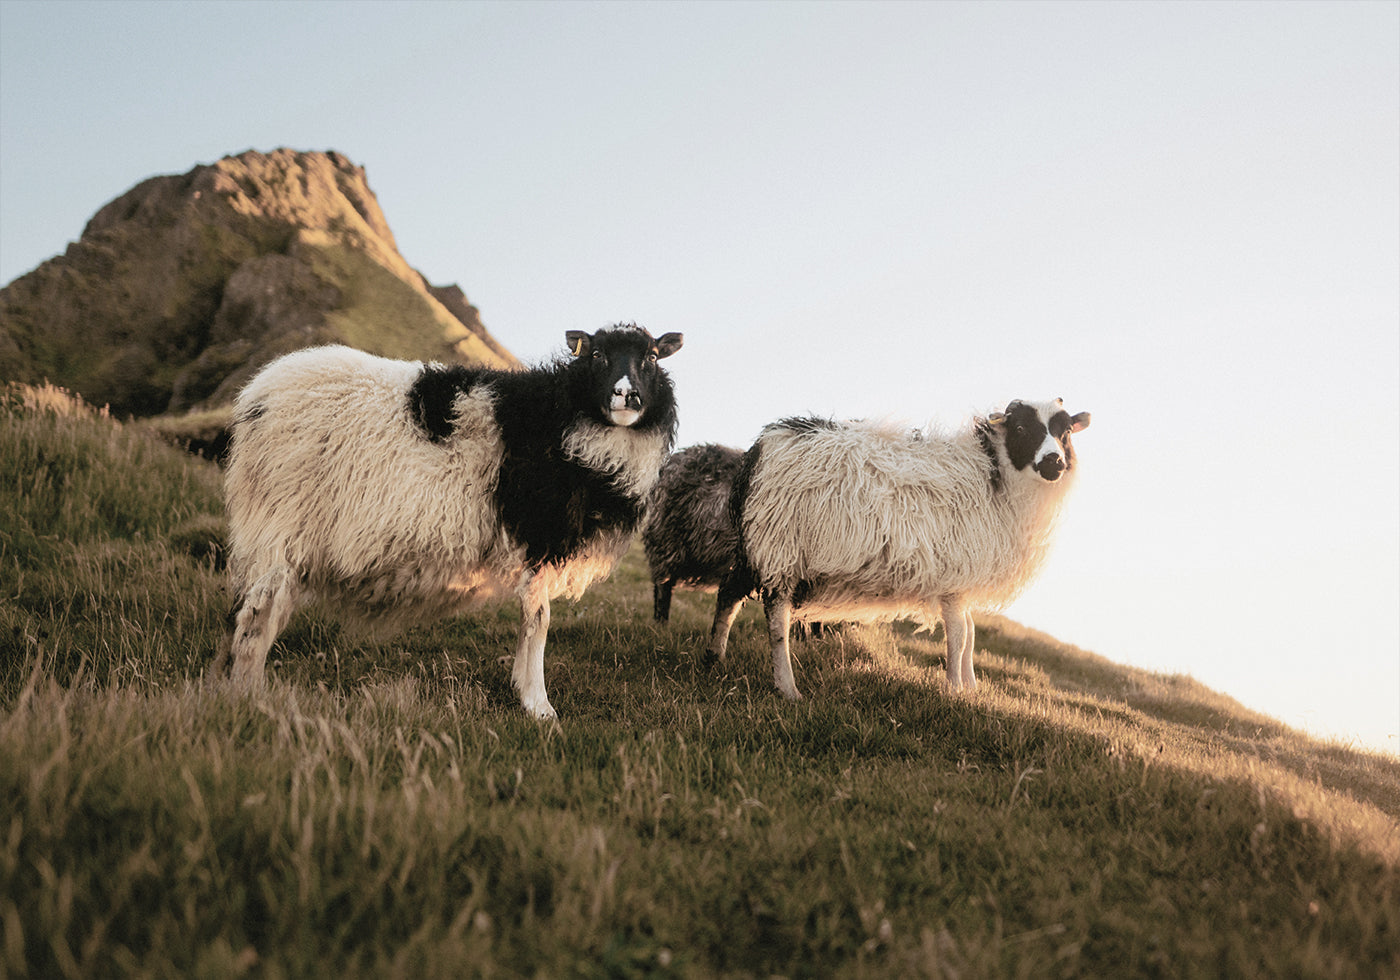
(388, 810)
(380, 313)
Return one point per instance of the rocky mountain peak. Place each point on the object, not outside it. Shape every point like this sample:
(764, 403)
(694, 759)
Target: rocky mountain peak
(179, 289)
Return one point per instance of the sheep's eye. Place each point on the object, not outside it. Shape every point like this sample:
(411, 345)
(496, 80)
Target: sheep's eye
(651, 357)
(597, 355)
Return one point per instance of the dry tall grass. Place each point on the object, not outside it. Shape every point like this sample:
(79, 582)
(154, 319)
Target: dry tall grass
(389, 810)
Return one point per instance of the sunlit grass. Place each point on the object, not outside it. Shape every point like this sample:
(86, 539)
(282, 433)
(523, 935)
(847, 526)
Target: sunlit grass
(388, 810)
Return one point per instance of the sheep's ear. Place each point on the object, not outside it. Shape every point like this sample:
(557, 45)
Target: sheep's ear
(1079, 422)
(997, 418)
(668, 343)
(580, 343)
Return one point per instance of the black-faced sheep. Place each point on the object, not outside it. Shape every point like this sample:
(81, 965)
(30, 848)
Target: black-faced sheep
(689, 536)
(861, 522)
(402, 491)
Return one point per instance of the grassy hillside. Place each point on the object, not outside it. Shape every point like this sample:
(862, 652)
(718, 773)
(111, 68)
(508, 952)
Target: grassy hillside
(390, 811)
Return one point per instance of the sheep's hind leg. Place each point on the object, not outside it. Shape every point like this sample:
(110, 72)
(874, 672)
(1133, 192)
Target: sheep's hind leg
(732, 592)
(961, 634)
(259, 615)
(528, 672)
(969, 678)
(778, 609)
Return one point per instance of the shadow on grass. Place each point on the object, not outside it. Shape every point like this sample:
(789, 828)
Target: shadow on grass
(606, 660)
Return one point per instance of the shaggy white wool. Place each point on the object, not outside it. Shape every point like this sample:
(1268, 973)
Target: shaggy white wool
(398, 527)
(383, 516)
(881, 523)
(633, 459)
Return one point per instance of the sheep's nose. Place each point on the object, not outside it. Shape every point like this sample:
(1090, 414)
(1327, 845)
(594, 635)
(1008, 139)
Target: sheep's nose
(1052, 467)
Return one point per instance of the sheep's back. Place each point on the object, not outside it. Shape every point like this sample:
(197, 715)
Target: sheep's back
(328, 471)
(858, 513)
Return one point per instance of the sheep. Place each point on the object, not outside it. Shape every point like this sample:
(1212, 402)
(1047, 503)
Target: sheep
(859, 521)
(689, 535)
(400, 491)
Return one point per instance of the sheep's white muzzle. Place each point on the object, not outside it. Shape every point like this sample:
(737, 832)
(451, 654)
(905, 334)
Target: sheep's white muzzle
(625, 408)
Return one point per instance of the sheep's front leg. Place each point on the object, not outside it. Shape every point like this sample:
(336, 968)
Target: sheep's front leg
(661, 600)
(961, 634)
(528, 672)
(778, 609)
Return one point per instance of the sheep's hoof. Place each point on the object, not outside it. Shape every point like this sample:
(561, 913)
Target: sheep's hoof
(247, 680)
(221, 664)
(541, 711)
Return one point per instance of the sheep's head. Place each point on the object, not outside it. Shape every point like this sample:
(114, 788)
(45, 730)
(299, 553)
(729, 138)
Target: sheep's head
(1037, 436)
(625, 381)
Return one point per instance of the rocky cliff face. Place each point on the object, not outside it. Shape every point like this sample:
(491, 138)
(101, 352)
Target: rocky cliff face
(181, 288)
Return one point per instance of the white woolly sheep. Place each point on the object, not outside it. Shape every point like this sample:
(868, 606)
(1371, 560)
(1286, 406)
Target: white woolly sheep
(861, 522)
(401, 491)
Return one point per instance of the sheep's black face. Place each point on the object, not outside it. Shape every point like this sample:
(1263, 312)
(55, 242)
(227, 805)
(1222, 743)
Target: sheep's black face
(624, 377)
(1037, 436)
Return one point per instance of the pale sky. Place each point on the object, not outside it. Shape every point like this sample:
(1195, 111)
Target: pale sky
(1182, 217)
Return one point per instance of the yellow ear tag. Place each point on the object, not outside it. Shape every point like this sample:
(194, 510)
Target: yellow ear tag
(578, 347)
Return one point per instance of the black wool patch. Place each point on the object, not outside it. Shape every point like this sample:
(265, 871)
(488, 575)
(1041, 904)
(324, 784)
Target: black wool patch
(551, 504)
(680, 543)
(801, 592)
(985, 437)
(804, 424)
(555, 506)
(431, 397)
